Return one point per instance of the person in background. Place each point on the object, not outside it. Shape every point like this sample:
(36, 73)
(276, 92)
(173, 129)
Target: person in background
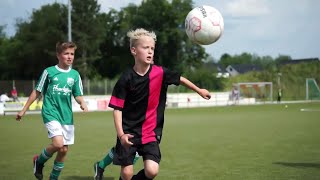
(279, 95)
(14, 94)
(235, 95)
(4, 97)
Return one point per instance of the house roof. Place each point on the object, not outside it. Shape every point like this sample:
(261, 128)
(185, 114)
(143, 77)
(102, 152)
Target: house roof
(243, 68)
(297, 61)
(216, 66)
(221, 69)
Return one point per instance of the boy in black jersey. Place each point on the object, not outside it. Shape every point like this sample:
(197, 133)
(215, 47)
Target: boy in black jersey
(138, 100)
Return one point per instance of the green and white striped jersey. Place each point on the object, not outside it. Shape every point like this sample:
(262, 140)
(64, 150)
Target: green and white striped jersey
(57, 86)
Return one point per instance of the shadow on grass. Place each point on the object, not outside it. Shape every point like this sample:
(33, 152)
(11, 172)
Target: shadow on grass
(86, 178)
(299, 165)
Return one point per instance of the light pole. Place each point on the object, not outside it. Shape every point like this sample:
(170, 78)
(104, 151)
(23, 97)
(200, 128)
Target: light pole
(69, 21)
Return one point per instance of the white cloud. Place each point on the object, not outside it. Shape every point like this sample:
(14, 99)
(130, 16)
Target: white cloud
(116, 4)
(243, 8)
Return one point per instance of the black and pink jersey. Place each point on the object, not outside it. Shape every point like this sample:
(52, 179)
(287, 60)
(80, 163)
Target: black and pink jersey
(142, 100)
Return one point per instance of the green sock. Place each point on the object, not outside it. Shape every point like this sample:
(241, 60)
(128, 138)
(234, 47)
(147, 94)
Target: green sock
(136, 158)
(56, 170)
(107, 160)
(44, 156)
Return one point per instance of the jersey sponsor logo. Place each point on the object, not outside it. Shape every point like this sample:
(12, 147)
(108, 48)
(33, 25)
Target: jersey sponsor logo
(64, 90)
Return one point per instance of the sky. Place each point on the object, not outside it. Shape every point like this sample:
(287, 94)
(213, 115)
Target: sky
(260, 27)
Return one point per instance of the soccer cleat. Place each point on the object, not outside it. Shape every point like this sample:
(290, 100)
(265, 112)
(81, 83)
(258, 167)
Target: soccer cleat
(98, 171)
(37, 168)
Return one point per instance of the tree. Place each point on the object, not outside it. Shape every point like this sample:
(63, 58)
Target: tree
(88, 31)
(33, 46)
(245, 58)
(115, 56)
(3, 54)
(34, 42)
(282, 58)
(2, 33)
(205, 77)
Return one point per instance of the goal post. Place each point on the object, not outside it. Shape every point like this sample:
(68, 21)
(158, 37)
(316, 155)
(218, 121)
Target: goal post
(312, 89)
(261, 91)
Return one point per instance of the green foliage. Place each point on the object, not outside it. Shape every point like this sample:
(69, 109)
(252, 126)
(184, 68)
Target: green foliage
(33, 46)
(9, 57)
(294, 76)
(88, 31)
(3, 43)
(2, 33)
(293, 79)
(282, 58)
(115, 54)
(204, 78)
(265, 62)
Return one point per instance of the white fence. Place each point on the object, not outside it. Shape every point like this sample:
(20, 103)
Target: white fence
(100, 103)
(184, 100)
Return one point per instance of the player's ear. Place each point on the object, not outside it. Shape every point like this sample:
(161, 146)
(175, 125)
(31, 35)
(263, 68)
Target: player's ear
(133, 51)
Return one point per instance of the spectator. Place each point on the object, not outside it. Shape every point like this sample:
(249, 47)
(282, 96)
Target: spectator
(279, 95)
(14, 94)
(4, 97)
(235, 95)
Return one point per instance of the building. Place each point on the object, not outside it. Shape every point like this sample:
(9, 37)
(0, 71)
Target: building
(237, 69)
(298, 61)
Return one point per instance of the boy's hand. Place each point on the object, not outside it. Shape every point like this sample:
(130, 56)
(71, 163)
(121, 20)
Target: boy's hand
(84, 107)
(204, 94)
(19, 116)
(124, 139)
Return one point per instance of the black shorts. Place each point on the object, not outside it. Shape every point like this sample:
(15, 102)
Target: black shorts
(149, 151)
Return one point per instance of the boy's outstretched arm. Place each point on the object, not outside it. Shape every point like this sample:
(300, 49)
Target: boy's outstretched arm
(33, 96)
(202, 92)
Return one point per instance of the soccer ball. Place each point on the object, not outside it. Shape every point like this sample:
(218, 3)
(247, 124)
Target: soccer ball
(204, 25)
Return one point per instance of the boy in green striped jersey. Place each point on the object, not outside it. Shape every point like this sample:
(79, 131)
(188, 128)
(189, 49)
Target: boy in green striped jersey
(57, 84)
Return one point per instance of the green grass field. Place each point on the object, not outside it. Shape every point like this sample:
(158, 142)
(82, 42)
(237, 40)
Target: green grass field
(263, 142)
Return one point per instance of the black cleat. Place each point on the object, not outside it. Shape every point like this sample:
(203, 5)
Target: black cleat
(98, 172)
(37, 168)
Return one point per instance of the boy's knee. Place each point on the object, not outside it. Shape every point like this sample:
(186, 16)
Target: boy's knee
(63, 149)
(151, 169)
(58, 145)
(151, 172)
(126, 173)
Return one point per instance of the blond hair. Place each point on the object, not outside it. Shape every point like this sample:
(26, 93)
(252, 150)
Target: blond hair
(136, 34)
(61, 46)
